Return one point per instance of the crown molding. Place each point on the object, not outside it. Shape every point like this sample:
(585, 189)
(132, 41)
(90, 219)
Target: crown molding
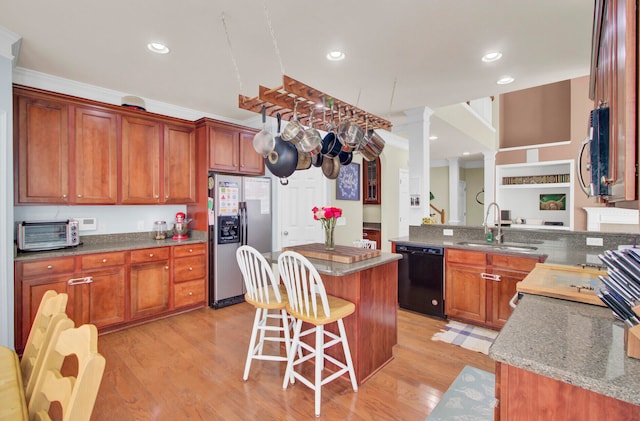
(9, 44)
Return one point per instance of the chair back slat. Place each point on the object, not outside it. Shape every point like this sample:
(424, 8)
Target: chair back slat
(258, 277)
(303, 283)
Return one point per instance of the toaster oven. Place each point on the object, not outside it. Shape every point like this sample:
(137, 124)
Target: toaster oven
(47, 235)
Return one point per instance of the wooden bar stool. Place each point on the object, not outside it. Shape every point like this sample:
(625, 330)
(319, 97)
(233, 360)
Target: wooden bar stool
(269, 297)
(309, 302)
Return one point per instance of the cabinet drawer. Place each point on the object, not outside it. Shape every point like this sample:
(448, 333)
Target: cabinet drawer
(150, 255)
(188, 268)
(48, 267)
(466, 257)
(103, 260)
(189, 250)
(506, 261)
(188, 293)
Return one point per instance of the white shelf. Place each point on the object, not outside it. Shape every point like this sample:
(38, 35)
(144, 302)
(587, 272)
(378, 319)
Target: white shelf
(536, 186)
(543, 227)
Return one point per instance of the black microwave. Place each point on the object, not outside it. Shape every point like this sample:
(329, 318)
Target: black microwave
(47, 235)
(598, 162)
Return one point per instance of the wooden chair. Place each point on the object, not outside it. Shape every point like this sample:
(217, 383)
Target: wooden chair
(269, 297)
(309, 302)
(75, 395)
(50, 311)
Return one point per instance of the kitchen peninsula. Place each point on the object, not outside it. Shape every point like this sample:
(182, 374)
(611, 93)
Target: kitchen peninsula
(372, 285)
(558, 359)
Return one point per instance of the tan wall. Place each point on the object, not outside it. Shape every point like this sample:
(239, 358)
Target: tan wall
(439, 180)
(474, 177)
(581, 105)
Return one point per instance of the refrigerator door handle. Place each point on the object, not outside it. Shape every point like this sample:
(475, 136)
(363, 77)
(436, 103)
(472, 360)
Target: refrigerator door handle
(242, 216)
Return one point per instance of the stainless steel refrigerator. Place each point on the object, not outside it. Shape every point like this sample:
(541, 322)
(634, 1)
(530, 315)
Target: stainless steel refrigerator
(239, 213)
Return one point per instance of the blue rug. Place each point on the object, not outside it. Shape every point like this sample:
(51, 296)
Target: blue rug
(471, 397)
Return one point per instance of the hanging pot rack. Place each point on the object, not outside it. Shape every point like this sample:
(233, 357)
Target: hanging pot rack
(293, 94)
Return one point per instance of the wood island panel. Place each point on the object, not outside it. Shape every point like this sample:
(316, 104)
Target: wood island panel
(372, 329)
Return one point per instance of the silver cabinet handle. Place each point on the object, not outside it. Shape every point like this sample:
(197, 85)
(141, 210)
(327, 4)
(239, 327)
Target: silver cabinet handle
(190, 293)
(104, 260)
(80, 281)
(513, 302)
(150, 254)
(166, 267)
(190, 250)
(190, 268)
(490, 276)
(50, 267)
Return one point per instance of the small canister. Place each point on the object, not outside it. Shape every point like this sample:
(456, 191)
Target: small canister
(160, 230)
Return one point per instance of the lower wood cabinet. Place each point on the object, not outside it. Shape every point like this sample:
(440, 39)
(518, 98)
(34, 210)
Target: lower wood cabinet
(373, 235)
(115, 289)
(149, 279)
(479, 285)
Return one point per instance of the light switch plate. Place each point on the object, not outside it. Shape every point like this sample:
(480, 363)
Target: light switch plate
(447, 232)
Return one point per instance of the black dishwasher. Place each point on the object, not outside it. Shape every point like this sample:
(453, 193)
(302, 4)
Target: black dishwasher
(421, 279)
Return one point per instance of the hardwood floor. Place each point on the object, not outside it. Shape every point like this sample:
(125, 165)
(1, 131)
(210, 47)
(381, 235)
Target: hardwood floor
(189, 367)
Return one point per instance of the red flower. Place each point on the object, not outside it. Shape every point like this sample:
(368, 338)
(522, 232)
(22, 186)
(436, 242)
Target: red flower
(326, 212)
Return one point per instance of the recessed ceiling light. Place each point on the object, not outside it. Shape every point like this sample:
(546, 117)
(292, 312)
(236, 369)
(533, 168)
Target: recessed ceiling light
(505, 80)
(335, 56)
(433, 137)
(157, 47)
(492, 56)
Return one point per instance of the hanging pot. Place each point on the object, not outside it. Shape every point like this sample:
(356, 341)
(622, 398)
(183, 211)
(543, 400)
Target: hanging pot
(304, 161)
(331, 167)
(316, 160)
(283, 159)
(294, 131)
(311, 140)
(350, 134)
(331, 145)
(372, 147)
(263, 141)
(345, 158)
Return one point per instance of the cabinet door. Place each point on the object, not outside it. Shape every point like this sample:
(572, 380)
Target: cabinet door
(371, 182)
(501, 292)
(223, 149)
(42, 150)
(179, 164)
(149, 288)
(95, 157)
(465, 292)
(250, 161)
(189, 293)
(140, 161)
(103, 298)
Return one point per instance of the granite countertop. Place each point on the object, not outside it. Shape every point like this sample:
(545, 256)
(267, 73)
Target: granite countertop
(327, 267)
(576, 343)
(111, 242)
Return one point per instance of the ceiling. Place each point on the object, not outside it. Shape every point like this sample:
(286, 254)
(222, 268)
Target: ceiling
(400, 55)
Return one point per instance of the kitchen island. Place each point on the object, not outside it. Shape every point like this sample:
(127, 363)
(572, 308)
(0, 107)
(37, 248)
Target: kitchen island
(372, 285)
(558, 359)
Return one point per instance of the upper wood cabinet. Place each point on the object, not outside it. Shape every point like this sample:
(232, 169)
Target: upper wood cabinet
(96, 154)
(140, 161)
(179, 164)
(41, 144)
(230, 148)
(614, 84)
(67, 152)
(371, 182)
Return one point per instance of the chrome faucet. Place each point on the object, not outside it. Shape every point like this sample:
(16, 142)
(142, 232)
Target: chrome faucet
(500, 234)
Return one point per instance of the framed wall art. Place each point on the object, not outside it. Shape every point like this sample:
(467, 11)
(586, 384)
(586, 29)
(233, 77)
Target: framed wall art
(348, 187)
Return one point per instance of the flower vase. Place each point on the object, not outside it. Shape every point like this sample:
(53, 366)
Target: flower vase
(329, 242)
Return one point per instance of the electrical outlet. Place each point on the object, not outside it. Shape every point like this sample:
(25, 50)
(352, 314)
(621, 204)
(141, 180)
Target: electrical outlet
(591, 241)
(140, 225)
(447, 232)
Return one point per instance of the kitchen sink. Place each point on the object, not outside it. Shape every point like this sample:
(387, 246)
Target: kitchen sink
(497, 246)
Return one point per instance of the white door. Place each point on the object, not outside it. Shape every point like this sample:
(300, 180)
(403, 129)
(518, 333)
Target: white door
(306, 189)
(403, 204)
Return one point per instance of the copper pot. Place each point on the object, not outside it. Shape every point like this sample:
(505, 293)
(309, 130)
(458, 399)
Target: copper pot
(331, 167)
(372, 147)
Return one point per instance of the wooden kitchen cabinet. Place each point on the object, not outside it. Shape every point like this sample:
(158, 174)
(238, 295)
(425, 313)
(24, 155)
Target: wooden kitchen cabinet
(189, 275)
(371, 182)
(373, 235)
(613, 82)
(179, 164)
(103, 299)
(41, 134)
(480, 285)
(149, 278)
(140, 160)
(230, 148)
(96, 157)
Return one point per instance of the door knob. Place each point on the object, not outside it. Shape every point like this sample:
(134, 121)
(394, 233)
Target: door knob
(285, 233)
